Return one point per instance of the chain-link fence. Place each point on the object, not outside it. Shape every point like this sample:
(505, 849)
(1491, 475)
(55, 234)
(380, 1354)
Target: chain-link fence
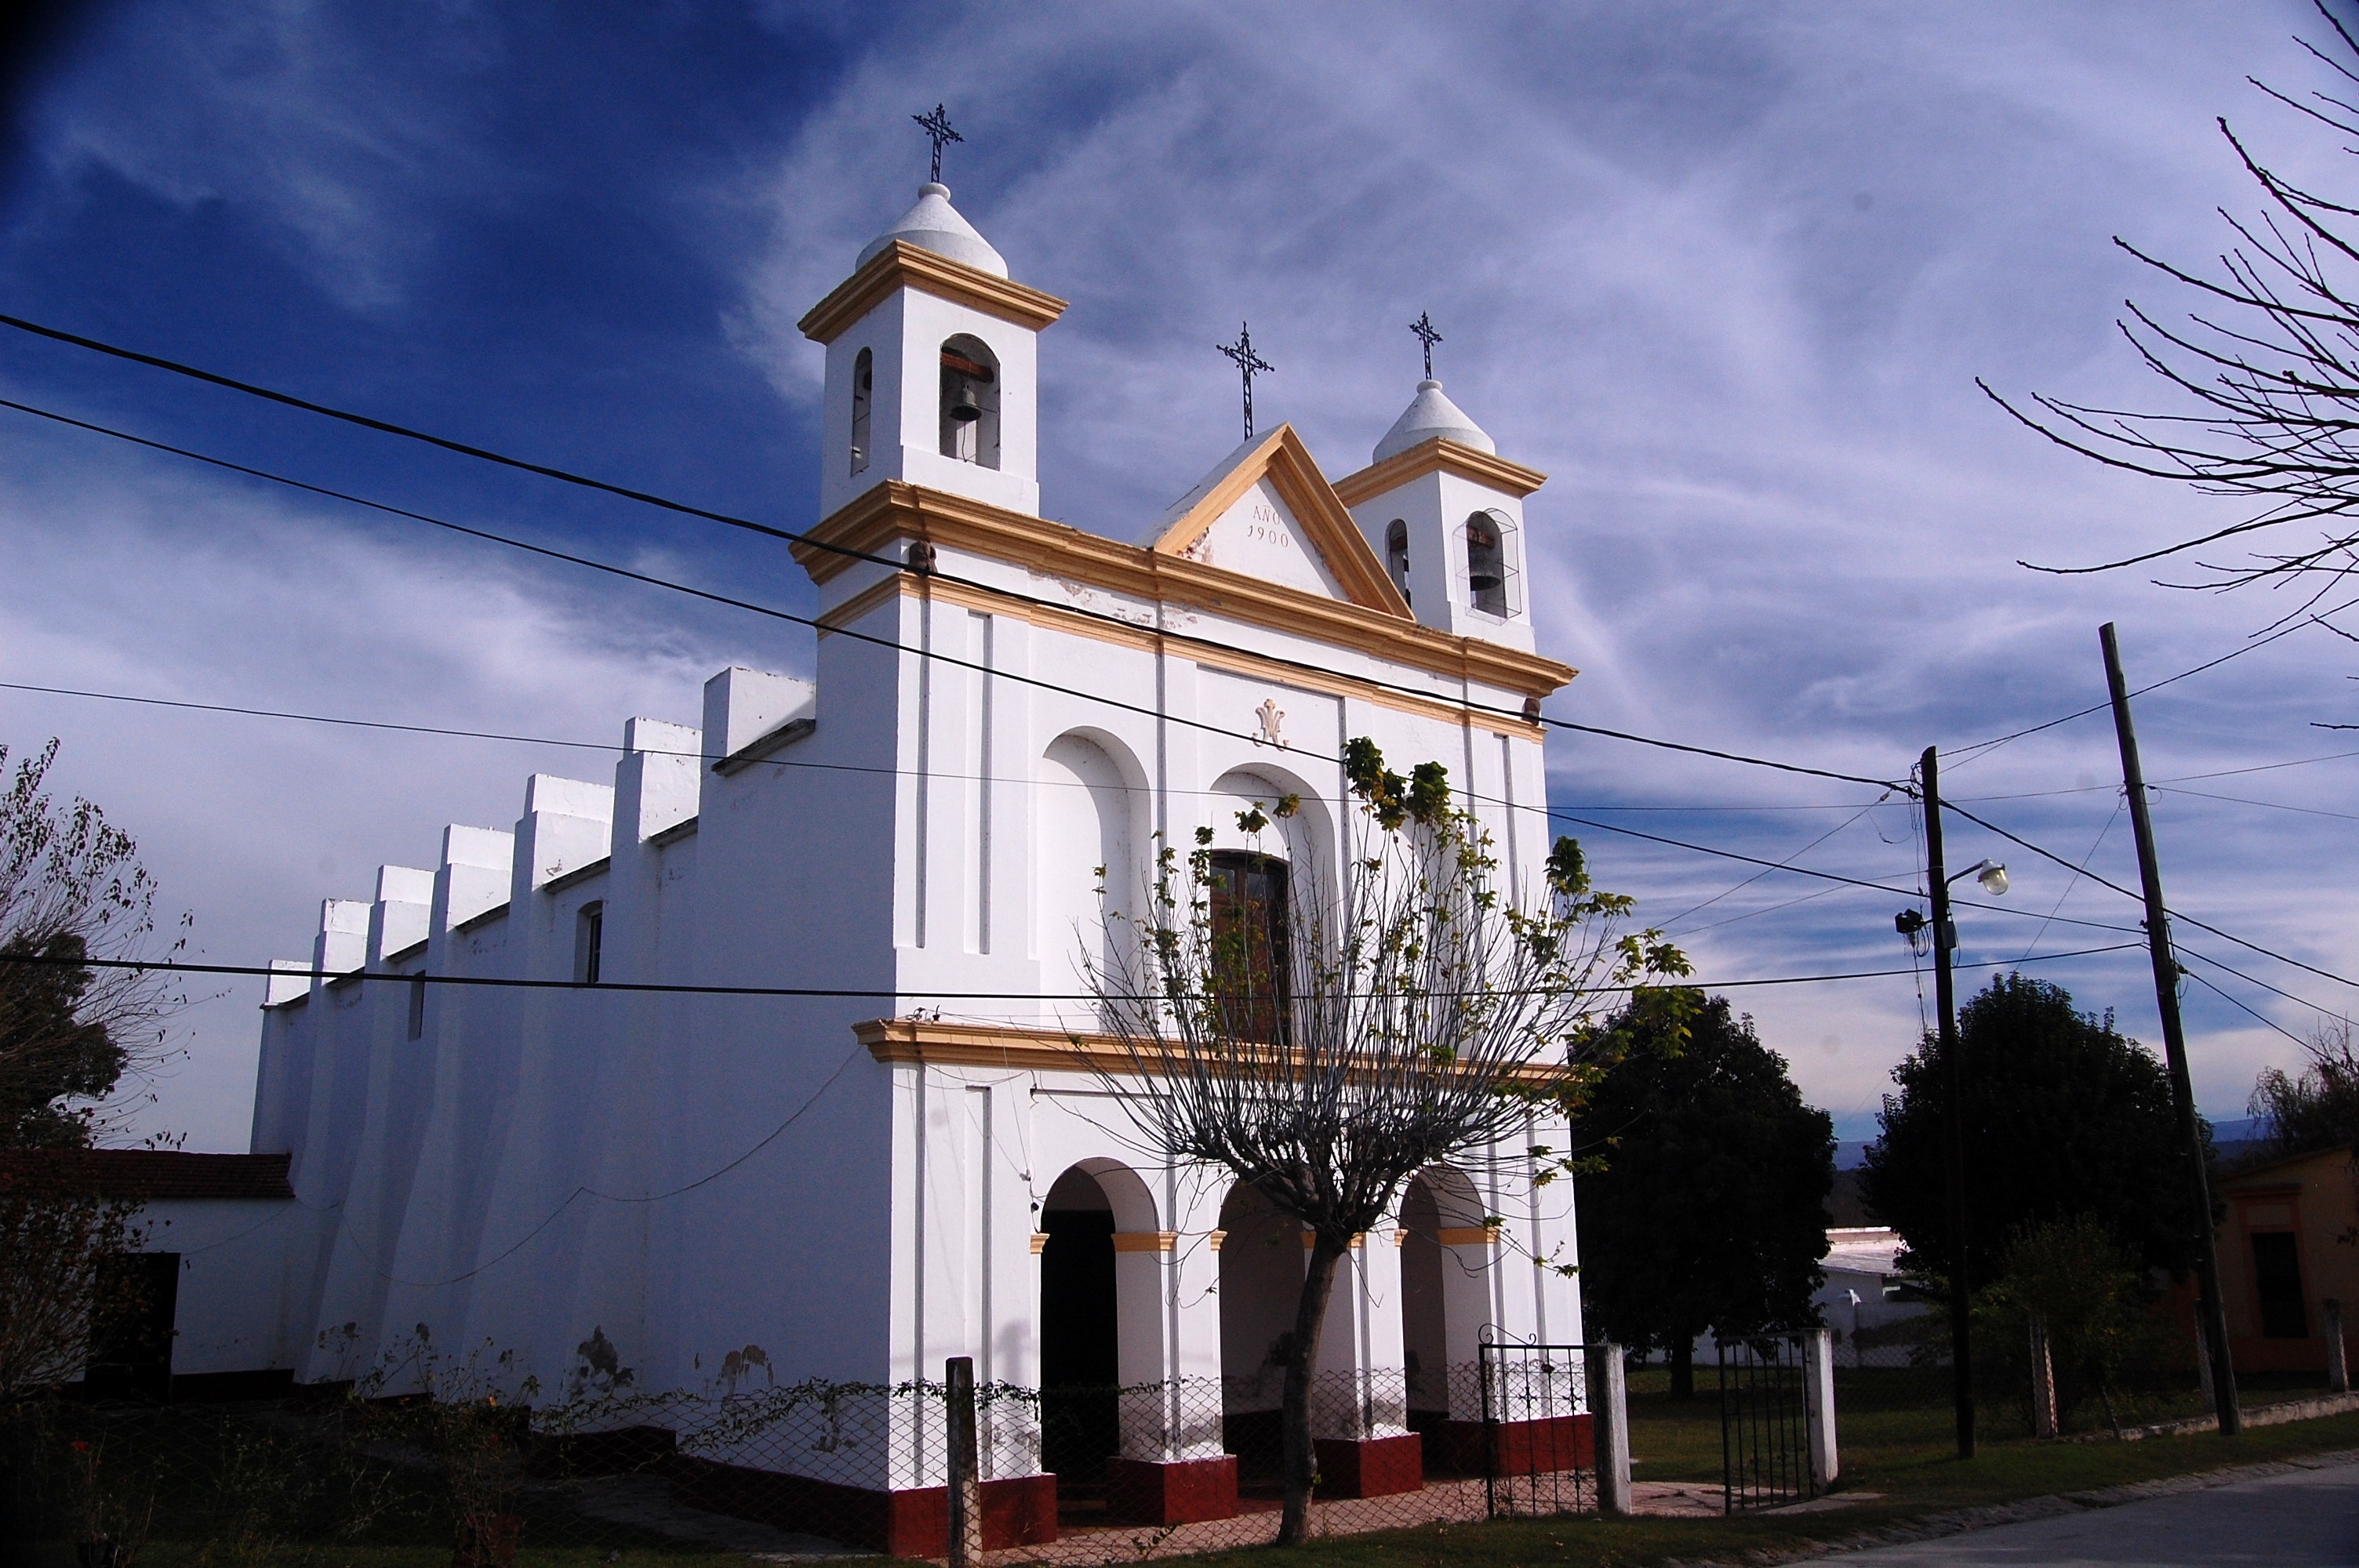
(1078, 1474)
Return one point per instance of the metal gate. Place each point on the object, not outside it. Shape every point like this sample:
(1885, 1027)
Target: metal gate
(1539, 1453)
(1765, 1424)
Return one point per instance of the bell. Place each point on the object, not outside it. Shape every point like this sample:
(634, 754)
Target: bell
(1483, 582)
(964, 411)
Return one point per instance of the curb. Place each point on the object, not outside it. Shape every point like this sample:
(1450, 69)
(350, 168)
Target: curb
(1960, 1522)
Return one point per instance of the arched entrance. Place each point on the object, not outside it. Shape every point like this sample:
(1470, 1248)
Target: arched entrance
(1081, 1337)
(1446, 1273)
(1261, 1285)
(1100, 1273)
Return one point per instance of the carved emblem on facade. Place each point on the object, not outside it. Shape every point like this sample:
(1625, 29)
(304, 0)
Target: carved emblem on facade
(1269, 716)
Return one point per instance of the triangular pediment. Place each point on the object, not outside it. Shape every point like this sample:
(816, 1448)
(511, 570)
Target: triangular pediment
(1268, 512)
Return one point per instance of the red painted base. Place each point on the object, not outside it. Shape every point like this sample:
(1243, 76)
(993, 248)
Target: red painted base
(1185, 1491)
(1377, 1467)
(1524, 1447)
(912, 1522)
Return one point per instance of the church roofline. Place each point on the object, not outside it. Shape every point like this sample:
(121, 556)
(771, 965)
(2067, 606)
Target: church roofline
(904, 265)
(894, 510)
(1438, 455)
(1282, 459)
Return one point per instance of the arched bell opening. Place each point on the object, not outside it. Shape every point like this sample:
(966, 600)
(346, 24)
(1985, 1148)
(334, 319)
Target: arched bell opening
(970, 402)
(1100, 1318)
(863, 400)
(1396, 555)
(1261, 1286)
(1490, 563)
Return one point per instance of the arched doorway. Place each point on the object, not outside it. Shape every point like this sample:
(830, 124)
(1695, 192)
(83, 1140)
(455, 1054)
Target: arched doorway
(1446, 1276)
(1261, 1286)
(1081, 1337)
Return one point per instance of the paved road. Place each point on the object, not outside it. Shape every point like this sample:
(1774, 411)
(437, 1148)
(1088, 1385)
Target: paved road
(2306, 1519)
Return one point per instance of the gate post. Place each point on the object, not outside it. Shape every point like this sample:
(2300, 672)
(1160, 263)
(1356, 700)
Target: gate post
(2338, 1370)
(2043, 1380)
(1609, 1424)
(966, 1485)
(1819, 1385)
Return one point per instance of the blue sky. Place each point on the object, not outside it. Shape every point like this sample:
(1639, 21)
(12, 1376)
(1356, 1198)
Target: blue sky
(1725, 272)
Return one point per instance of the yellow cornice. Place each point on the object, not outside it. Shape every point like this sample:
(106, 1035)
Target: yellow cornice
(904, 265)
(892, 511)
(1438, 455)
(1287, 463)
(1034, 1048)
(1147, 639)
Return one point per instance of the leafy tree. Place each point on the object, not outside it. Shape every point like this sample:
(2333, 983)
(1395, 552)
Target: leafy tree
(1326, 1050)
(1705, 1207)
(2064, 1115)
(2317, 1107)
(2073, 1277)
(71, 890)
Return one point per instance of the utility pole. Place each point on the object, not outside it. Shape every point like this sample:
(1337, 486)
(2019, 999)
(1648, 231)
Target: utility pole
(1962, 1368)
(2214, 1322)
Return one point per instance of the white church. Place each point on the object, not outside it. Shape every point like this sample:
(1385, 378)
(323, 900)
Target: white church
(857, 1187)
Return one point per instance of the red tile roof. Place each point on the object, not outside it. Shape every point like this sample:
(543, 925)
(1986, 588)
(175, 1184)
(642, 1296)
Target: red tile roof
(149, 1173)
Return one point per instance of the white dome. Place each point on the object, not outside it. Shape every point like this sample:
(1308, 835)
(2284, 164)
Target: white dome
(933, 224)
(1430, 415)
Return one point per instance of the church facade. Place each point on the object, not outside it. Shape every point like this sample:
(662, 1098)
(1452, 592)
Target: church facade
(913, 1163)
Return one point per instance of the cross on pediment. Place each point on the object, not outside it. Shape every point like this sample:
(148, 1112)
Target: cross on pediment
(1247, 361)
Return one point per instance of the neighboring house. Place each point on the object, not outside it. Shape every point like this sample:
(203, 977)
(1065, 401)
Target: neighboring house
(920, 1162)
(1865, 1294)
(201, 1307)
(2285, 1250)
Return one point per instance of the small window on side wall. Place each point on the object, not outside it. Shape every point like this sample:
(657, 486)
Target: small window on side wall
(416, 1007)
(970, 402)
(1490, 571)
(863, 396)
(590, 937)
(1397, 554)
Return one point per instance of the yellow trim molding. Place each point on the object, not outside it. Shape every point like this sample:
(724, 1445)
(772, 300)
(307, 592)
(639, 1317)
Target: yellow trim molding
(1144, 640)
(1040, 1242)
(1468, 1235)
(925, 1042)
(904, 265)
(1145, 1241)
(874, 522)
(1439, 455)
(1213, 1238)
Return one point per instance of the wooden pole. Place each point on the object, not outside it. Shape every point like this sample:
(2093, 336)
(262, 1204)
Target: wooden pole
(2213, 1320)
(1962, 1365)
(966, 1485)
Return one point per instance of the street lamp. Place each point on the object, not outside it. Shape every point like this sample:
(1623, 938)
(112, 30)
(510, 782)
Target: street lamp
(1992, 876)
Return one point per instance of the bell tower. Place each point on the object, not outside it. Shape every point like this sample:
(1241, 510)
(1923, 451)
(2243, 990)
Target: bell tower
(932, 365)
(1445, 514)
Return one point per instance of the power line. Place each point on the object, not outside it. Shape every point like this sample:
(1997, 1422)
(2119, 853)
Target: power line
(496, 982)
(1980, 749)
(2175, 914)
(789, 536)
(2240, 1006)
(2270, 805)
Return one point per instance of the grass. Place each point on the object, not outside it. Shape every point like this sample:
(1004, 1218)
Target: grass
(1895, 1442)
(1905, 1454)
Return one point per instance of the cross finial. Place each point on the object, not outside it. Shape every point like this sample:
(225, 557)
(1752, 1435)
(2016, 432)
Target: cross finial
(938, 131)
(1423, 327)
(1247, 361)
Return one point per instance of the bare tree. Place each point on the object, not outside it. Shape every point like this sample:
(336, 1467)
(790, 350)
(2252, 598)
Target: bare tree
(56, 1236)
(2268, 365)
(1372, 1023)
(72, 890)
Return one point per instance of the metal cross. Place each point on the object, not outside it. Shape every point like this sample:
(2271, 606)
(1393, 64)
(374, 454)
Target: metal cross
(1247, 361)
(938, 131)
(1423, 327)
